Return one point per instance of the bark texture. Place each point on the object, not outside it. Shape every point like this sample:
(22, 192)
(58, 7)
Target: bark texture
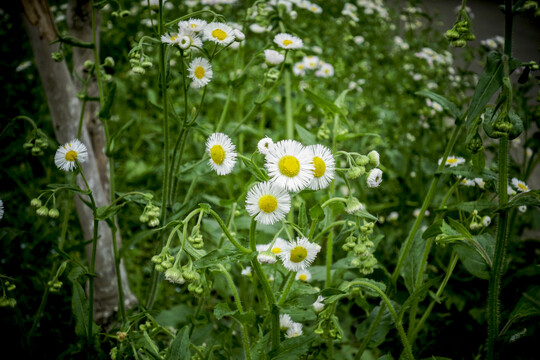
(61, 90)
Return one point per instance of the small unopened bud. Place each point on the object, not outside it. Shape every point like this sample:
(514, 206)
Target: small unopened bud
(153, 223)
(458, 43)
(356, 172)
(373, 158)
(88, 65)
(35, 202)
(238, 35)
(109, 62)
(54, 213)
(184, 43)
(362, 160)
(146, 64)
(43, 211)
(124, 13)
(138, 70)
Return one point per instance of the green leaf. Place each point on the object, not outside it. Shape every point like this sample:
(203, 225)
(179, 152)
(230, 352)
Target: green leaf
(325, 105)
(364, 214)
(79, 304)
(490, 81)
(221, 256)
(316, 212)
(179, 349)
(302, 217)
(411, 266)
(259, 174)
(293, 348)
(477, 254)
(460, 228)
(174, 316)
(385, 324)
(470, 206)
(222, 309)
(105, 212)
(444, 102)
(258, 348)
(105, 112)
(530, 198)
(150, 346)
(433, 230)
(370, 291)
(418, 294)
(306, 137)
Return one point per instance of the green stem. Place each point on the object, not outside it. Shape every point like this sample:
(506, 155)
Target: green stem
(397, 321)
(285, 293)
(266, 287)
(228, 234)
(289, 120)
(225, 110)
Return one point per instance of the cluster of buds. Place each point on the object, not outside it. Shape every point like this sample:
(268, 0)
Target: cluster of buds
(196, 238)
(194, 279)
(36, 144)
(147, 326)
(58, 56)
(478, 223)
(164, 260)
(5, 300)
(139, 61)
(150, 215)
(43, 210)
(358, 168)
(328, 325)
(54, 285)
(362, 249)
(324, 132)
(461, 32)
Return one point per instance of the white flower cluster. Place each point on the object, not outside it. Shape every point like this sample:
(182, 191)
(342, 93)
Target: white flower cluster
(312, 62)
(350, 10)
(432, 57)
(474, 182)
(218, 2)
(293, 329)
(374, 6)
(452, 161)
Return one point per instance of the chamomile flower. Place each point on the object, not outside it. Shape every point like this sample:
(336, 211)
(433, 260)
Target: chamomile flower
(219, 33)
(69, 154)
(273, 57)
(314, 8)
(285, 321)
(290, 165)
(222, 153)
(452, 161)
(318, 305)
(480, 182)
(200, 71)
(1, 209)
(267, 203)
(277, 247)
(311, 62)
(189, 38)
(520, 185)
(266, 257)
(467, 182)
(265, 145)
(294, 330)
(299, 69)
(195, 25)
(303, 275)
(288, 41)
(374, 178)
(171, 39)
(299, 254)
(324, 164)
(326, 70)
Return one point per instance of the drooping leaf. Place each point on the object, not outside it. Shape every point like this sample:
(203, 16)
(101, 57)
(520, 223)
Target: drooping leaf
(530, 198)
(307, 137)
(443, 101)
(477, 254)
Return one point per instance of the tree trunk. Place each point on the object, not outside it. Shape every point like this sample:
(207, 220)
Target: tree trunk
(60, 90)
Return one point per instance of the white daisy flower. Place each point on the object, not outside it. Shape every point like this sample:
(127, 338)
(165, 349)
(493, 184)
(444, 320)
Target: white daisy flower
(171, 39)
(264, 145)
(299, 254)
(294, 330)
(314, 8)
(246, 271)
(285, 321)
(276, 249)
(1, 209)
(374, 178)
(195, 25)
(299, 69)
(219, 33)
(520, 185)
(266, 257)
(273, 57)
(318, 305)
(69, 154)
(522, 208)
(290, 165)
(467, 182)
(311, 62)
(193, 39)
(268, 203)
(324, 164)
(200, 71)
(480, 182)
(453, 161)
(288, 41)
(326, 70)
(222, 153)
(303, 275)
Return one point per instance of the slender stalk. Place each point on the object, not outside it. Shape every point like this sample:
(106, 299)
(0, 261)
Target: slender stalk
(288, 286)
(289, 120)
(225, 109)
(228, 234)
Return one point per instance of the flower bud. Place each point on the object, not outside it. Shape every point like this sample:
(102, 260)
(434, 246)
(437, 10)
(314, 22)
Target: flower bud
(138, 70)
(43, 211)
(35, 202)
(153, 223)
(362, 160)
(88, 65)
(373, 158)
(54, 213)
(184, 43)
(109, 62)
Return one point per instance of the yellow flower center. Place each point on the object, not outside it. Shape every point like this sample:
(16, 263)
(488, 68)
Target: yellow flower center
(298, 254)
(289, 166)
(219, 34)
(287, 42)
(199, 72)
(300, 66)
(276, 250)
(71, 155)
(451, 161)
(173, 38)
(217, 154)
(268, 204)
(464, 181)
(320, 166)
(522, 187)
(302, 277)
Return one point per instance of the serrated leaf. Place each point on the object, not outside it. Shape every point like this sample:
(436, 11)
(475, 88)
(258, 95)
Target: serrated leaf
(411, 265)
(293, 348)
(221, 256)
(370, 291)
(444, 102)
(460, 228)
(179, 349)
(150, 346)
(364, 214)
(222, 309)
(490, 81)
(307, 137)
